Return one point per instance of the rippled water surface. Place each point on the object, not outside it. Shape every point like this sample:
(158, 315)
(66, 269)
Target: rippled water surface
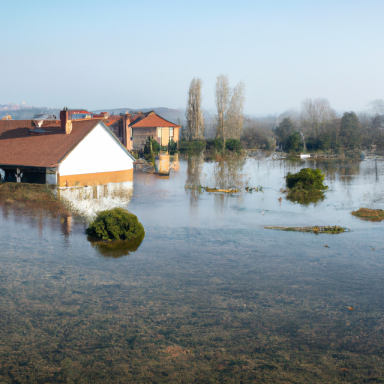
(210, 295)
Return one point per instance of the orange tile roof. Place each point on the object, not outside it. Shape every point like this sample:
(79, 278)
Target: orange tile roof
(43, 150)
(151, 119)
(111, 119)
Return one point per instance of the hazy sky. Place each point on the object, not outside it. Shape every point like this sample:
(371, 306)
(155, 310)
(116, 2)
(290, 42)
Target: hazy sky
(118, 53)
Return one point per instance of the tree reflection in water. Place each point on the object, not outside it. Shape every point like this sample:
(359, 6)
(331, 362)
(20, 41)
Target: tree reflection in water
(228, 171)
(194, 175)
(116, 249)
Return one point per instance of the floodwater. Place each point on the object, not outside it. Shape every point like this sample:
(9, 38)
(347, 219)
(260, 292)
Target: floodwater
(210, 295)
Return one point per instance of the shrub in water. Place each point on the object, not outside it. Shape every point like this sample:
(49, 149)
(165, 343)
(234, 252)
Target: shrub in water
(306, 186)
(116, 224)
(307, 179)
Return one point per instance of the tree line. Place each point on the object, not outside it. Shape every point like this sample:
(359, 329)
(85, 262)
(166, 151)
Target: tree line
(318, 127)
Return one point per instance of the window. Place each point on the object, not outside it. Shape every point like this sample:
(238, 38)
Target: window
(170, 132)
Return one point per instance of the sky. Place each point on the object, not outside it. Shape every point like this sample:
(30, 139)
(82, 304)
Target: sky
(141, 54)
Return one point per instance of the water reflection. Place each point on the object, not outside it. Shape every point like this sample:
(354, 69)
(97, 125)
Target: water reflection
(195, 176)
(116, 249)
(228, 172)
(87, 201)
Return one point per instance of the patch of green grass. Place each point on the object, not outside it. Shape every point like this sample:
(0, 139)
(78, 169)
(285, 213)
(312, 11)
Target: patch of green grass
(369, 214)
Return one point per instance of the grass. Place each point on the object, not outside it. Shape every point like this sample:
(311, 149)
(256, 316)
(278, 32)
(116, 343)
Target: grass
(369, 214)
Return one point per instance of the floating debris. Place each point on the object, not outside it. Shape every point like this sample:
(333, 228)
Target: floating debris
(221, 190)
(369, 214)
(259, 188)
(207, 189)
(315, 229)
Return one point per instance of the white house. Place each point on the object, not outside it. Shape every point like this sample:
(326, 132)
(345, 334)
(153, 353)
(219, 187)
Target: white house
(65, 153)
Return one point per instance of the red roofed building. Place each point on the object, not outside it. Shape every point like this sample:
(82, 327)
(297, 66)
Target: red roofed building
(144, 125)
(133, 130)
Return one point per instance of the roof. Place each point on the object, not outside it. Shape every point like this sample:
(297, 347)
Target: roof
(43, 150)
(15, 128)
(111, 120)
(151, 119)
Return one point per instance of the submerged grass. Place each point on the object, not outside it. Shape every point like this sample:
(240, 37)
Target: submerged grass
(35, 197)
(153, 325)
(334, 230)
(369, 214)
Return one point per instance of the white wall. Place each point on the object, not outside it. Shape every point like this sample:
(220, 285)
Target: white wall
(97, 152)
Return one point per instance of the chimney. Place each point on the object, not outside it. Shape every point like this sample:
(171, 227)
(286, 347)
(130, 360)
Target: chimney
(65, 123)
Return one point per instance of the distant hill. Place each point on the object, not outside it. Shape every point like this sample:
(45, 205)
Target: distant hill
(29, 112)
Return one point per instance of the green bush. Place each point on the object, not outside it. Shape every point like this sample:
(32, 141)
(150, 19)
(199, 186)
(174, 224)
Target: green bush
(307, 179)
(230, 144)
(233, 145)
(172, 147)
(155, 146)
(195, 145)
(116, 224)
(306, 186)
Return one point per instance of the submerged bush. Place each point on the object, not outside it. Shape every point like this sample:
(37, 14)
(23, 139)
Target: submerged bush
(306, 186)
(233, 145)
(307, 179)
(116, 224)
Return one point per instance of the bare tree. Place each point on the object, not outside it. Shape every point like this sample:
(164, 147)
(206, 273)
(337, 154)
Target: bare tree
(377, 111)
(235, 115)
(222, 99)
(315, 115)
(376, 107)
(194, 113)
(230, 108)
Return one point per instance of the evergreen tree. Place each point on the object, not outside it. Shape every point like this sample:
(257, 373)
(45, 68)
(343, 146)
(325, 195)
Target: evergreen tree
(350, 131)
(294, 142)
(285, 128)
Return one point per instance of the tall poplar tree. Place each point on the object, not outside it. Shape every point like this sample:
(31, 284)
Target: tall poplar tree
(230, 109)
(194, 112)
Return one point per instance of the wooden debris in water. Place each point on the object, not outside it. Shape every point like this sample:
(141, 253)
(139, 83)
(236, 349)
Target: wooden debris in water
(221, 190)
(207, 189)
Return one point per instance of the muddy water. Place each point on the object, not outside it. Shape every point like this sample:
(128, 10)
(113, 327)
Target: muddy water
(210, 295)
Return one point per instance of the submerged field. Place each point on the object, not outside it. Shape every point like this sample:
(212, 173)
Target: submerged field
(210, 295)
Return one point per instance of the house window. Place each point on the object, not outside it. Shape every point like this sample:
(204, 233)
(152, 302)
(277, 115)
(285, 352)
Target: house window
(170, 132)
